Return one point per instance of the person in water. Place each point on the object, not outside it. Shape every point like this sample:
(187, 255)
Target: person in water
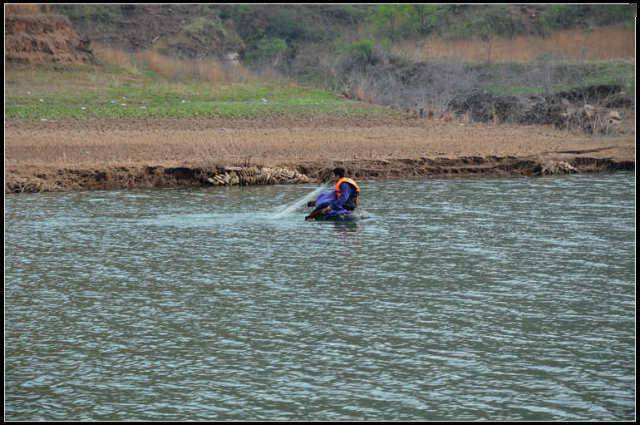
(338, 203)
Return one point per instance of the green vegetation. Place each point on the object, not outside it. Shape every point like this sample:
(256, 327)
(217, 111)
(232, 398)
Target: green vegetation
(391, 20)
(557, 17)
(248, 26)
(361, 50)
(267, 50)
(546, 78)
(451, 21)
(486, 21)
(623, 73)
(92, 92)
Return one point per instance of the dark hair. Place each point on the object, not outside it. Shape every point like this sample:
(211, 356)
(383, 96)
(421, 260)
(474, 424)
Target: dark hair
(338, 172)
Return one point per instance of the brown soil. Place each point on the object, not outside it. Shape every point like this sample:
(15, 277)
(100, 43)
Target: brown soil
(113, 154)
(43, 38)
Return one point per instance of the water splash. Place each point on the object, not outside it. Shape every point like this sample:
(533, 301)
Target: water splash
(226, 218)
(289, 209)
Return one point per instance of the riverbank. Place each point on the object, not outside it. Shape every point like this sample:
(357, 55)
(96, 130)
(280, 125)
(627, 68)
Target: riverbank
(69, 155)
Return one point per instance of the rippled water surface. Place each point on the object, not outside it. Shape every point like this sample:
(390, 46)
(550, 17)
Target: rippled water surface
(505, 299)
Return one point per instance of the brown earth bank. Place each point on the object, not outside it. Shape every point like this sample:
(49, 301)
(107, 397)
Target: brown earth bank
(128, 154)
(43, 38)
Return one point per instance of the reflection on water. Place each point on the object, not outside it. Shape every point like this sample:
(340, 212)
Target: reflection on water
(346, 227)
(504, 299)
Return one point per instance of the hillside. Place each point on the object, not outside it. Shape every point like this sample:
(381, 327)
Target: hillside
(254, 30)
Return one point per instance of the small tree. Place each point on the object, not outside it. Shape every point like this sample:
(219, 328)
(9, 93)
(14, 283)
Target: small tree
(268, 50)
(362, 50)
(389, 19)
(427, 17)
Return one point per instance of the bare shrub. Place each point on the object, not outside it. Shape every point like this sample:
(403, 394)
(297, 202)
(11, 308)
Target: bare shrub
(426, 86)
(592, 120)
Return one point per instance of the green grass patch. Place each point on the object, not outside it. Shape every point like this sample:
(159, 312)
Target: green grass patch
(92, 92)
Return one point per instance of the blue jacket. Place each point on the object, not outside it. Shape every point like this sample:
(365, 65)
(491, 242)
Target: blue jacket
(328, 198)
(346, 190)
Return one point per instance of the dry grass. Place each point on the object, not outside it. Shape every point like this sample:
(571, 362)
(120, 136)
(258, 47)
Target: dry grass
(173, 69)
(22, 9)
(114, 57)
(598, 44)
(99, 144)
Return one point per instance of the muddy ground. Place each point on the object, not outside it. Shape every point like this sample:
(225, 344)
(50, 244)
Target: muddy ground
(117, 154)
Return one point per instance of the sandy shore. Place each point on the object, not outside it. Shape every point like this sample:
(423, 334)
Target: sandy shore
(113, 154)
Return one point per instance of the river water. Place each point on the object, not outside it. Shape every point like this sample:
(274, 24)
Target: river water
(502, 299)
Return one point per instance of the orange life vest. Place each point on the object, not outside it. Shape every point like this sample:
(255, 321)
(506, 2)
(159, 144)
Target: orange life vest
(351, 182)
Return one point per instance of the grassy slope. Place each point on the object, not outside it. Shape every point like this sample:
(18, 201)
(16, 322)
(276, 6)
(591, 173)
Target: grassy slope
(78, 92)
(45, 92)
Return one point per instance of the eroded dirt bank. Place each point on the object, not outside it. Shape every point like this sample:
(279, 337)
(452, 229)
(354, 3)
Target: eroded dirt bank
(69, 179)
(105, 155)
